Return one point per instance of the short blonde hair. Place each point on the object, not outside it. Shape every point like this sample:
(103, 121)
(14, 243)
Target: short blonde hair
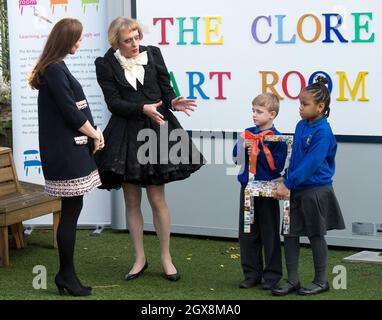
(119, 24)
(268, 100)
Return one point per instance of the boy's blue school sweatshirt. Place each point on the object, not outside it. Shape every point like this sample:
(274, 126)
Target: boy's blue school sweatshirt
(313, 153)
(263, 171)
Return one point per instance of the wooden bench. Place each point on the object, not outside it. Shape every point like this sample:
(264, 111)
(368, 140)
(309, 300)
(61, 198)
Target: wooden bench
(20, 201)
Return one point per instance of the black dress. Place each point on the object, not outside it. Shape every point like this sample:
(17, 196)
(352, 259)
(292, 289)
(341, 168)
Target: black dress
(138, 150)
(67, 161)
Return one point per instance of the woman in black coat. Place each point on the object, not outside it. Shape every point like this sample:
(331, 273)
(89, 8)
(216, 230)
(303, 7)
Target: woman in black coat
(67, 136)
(145, 144)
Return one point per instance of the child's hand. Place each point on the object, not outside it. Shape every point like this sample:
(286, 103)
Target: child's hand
(282, 192)
(249, 150)
(280, 179)
(248, 145)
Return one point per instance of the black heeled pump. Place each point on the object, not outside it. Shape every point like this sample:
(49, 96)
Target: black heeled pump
(72, 289)
(132, 276)
(172, 277)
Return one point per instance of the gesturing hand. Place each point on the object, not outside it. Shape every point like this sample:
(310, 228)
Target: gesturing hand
(183, 104)
(150, 110)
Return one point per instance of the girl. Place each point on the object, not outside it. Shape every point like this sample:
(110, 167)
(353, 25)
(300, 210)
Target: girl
(66, 128)
(313, 205)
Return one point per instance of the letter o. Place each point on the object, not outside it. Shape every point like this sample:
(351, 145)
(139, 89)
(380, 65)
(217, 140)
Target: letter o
(299, 28)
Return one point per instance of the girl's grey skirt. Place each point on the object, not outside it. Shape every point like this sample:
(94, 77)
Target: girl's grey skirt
(313, 211)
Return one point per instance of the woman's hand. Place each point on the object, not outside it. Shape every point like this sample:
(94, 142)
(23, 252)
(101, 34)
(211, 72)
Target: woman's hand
(282, 192)
(183, 104)
(99, 141)
(151, 111)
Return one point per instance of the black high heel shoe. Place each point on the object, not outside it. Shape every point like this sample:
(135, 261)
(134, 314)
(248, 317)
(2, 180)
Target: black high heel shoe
(79, 282)
(172, 277)
(132, 276)
(72, 288)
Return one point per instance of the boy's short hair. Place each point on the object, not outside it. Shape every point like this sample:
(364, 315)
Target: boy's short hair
(268, 100)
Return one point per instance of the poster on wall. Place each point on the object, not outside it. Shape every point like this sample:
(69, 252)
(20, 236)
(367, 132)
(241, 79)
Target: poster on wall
(224, 54)
(30, 24)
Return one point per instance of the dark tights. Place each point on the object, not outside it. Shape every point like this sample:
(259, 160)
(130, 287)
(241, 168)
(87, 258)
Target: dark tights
(66, 235)
(320, 257)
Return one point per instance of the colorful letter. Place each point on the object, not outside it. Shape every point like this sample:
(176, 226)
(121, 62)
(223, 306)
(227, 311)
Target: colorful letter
(174, 84)
(358, 26)
(313, 76)
(220, 82)
(214, 29)
(281, 31)
(194, 30)
(266, 85)
(254, 29)
(285, 84)
(163, 27)
(299, 27)
(353, 92)
(328, 27)
(193, 86)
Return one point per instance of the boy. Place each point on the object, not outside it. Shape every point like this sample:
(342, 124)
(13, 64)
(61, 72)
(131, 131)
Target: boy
(264, 233)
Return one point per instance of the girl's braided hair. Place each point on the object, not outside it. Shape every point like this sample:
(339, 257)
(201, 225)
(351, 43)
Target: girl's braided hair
(320, 93)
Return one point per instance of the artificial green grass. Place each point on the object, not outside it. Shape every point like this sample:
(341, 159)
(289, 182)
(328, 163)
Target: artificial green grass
(210, 269)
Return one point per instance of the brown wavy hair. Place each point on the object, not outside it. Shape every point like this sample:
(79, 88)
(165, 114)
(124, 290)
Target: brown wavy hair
(62, 38)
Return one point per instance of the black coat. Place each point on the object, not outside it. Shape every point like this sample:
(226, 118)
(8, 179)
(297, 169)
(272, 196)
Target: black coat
(118, 160)
(62, 110)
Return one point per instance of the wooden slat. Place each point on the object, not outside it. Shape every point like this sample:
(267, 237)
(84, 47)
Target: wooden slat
(17, 201)
(4, 250)
(15, 234)
(5, 161)
(31, 186)
(32, 212)
(6, 174)
(5, 150)
(20, 231)
(14, 171)
(7, 188)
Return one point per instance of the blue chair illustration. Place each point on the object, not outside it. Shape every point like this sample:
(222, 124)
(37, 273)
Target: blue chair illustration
(31, 160)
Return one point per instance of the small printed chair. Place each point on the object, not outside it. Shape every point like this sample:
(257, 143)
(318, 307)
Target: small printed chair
(258, 188)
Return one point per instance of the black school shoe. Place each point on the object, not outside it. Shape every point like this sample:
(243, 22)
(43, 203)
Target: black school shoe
(249, 283)
(318, 288)
(269, 285)
(286, 288)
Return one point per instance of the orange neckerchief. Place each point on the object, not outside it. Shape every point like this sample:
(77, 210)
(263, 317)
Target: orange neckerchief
(247, 135)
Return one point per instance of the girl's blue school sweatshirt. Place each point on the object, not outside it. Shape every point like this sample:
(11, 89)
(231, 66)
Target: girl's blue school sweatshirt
(314, 149)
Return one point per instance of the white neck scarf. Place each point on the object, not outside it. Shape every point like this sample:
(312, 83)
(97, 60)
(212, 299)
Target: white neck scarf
(133, 67)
